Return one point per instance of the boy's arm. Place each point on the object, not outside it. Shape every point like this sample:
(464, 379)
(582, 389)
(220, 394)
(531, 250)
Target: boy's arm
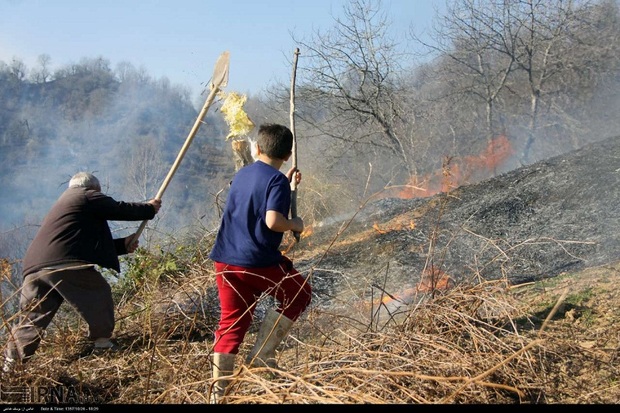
(279, 223)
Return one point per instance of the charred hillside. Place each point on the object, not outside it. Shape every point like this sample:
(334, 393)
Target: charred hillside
(557, 215)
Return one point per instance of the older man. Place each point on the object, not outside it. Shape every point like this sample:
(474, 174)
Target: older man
(60, 264)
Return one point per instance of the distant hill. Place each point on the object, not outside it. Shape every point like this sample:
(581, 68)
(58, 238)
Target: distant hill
(127, 130)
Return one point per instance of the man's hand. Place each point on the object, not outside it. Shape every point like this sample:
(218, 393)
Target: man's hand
(156, 204)
(130, 244)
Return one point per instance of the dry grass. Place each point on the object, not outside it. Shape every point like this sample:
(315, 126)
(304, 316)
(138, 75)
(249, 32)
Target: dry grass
(488, 343)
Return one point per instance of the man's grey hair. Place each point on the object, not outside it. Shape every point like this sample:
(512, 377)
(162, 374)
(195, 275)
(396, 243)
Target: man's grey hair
(85, 180)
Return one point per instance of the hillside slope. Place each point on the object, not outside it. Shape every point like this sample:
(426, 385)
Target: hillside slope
(536, 222)
(533, 315)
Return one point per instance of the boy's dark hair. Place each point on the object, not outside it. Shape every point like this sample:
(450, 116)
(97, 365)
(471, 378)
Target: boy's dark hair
(275, 141)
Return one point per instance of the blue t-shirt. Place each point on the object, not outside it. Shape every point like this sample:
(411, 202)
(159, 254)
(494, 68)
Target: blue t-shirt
(243, 238)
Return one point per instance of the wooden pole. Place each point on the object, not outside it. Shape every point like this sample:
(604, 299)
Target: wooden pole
(219, 80)
(297, 235)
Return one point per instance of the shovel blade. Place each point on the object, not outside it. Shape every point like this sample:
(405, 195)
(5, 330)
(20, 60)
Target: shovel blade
(220, 73)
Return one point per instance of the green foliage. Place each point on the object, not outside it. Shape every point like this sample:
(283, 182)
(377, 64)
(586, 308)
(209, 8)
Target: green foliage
(580, 298)
(145, 269)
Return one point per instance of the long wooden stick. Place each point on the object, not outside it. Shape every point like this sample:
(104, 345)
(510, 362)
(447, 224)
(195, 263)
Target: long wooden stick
(297, 235)
(219, 80)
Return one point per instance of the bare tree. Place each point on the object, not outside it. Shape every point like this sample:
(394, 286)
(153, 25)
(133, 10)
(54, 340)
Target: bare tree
(515, 57)
(557, 40)
(41, 74)
(143, 167)
(17, 69)
(472, 39)
(588, 85)
(125, 71)
(350, 89)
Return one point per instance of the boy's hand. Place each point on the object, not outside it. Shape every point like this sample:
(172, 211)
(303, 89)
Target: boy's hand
(297, 173)
(298, 224)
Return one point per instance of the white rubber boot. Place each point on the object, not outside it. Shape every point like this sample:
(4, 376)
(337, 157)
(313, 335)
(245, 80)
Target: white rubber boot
(223, 366)
(272, 331)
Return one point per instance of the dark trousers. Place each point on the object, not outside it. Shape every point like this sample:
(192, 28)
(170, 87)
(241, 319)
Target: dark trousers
(43, 292)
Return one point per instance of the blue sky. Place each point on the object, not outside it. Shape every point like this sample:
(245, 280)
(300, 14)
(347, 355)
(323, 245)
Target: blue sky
(181, 39)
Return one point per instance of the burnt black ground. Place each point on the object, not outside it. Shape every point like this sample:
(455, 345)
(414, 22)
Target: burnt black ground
(535, 222)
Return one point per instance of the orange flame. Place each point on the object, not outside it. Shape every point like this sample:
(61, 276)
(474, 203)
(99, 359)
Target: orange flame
(455, 174)
(289, 242)
(307, 231)
(434, 279)
(404, 295)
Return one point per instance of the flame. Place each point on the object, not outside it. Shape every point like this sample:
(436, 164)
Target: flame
(456, 173)
(289, 241)
(403, 296)
(307, 231)
(434, 279)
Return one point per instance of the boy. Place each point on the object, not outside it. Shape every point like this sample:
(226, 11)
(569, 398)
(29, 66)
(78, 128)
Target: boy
(248, 261)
